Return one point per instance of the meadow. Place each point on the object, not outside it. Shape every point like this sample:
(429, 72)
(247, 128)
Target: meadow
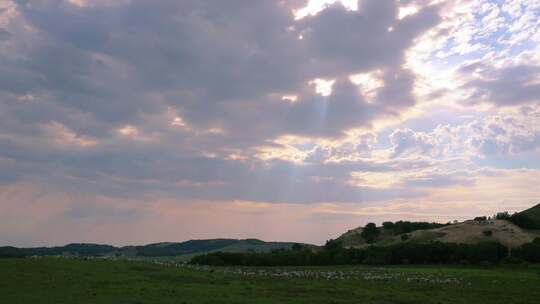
(62, 280)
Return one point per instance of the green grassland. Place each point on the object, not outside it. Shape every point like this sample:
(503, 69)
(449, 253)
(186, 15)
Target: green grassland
(59, 280)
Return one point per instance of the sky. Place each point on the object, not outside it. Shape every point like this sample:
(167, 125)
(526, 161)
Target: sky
(135, 121)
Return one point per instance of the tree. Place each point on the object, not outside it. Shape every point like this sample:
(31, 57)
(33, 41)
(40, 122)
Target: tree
(502, 216)
(388, 225)
(370, 232)
(297, 247)
(333, 245)
(529, 251)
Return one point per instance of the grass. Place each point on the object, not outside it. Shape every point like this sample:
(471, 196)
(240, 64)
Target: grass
(52, 280)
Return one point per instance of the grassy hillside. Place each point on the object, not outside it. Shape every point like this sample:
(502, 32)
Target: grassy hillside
(353, 237)
(386, 234)
(58, 281)
(515, 230)
(472, 232)
(468, 232)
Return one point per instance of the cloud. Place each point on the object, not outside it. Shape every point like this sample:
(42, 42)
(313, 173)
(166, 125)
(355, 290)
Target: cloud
(108, 61)
(95, 88)
(207, 102)
(408, 141)
(498, 134)
(506, 86)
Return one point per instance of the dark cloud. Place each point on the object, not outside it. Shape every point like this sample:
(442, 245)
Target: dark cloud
(506, 86)
(349, 41)
(83, 73)
(205, 58)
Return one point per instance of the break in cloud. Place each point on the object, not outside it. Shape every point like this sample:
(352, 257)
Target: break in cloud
(138, 121)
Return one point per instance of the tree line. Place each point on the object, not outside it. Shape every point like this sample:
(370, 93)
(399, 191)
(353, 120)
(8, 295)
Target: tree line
(333, 253)
(519, 219)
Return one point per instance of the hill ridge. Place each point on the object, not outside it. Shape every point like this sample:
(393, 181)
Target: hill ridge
(160, 249)
(512, 231)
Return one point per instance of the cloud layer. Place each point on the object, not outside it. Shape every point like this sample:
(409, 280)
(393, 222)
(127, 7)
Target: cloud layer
(204, 103)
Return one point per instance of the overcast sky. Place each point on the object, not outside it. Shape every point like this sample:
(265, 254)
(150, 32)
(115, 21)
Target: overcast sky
(137, 121)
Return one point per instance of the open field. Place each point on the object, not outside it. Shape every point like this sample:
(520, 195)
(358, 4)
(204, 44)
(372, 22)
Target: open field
(54, 280)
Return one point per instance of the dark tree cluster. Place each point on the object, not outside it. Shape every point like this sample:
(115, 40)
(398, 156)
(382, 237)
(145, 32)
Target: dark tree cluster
(401, 227)
(370, 233)
(529, 252)
(502, 216)
(524, 221)
(521, 220)
(334, 254)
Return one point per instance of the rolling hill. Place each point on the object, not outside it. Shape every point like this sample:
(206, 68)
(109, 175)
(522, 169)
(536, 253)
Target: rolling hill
(518, 229)
(472, 232)
(513, 231)
(354, 238)
(188, 248)
(203, 246)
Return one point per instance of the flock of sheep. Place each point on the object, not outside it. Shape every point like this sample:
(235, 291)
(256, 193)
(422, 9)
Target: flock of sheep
(330, 275)
(314, 274)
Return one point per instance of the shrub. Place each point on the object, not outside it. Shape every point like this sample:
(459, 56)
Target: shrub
(529, 252)
(487, 233)
(404, 237)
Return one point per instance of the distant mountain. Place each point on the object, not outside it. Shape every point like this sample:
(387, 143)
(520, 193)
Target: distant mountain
(71, 249)
(204, 246)
(187, 249)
